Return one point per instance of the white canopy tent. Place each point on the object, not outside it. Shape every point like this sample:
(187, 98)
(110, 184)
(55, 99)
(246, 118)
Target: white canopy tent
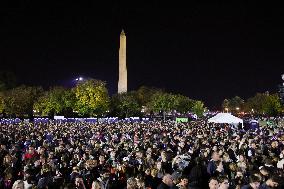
(225, 118)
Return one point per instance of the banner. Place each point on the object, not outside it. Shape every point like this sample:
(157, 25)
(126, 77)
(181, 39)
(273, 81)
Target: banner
(181, 119)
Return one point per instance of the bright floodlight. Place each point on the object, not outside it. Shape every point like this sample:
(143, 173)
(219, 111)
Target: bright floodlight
(282, 76)
(79, 79)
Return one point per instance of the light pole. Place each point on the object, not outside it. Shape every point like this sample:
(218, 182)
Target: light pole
(237, 109)
(281, 90)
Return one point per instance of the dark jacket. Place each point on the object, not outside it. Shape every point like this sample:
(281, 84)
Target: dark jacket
(246, 187)
(152, 182)
(163, 186)
(211, 168)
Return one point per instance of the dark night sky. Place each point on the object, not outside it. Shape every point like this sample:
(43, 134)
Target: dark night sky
(205, 51)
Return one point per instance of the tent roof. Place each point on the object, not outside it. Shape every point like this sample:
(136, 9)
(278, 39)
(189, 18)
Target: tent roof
(225, 118)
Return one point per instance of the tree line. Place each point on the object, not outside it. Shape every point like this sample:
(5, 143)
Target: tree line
(90, 98)
(260, 104)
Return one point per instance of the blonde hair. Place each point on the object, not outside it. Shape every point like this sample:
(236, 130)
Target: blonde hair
(18, 184)
(131, 183)
(233, 166)
(154, 172)
(96, 185)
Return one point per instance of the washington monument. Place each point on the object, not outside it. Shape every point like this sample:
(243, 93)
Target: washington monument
(122, 80)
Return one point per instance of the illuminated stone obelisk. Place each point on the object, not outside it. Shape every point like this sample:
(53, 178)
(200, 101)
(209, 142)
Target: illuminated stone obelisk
(122, 80)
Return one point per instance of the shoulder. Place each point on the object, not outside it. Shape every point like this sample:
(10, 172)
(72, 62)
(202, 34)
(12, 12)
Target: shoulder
(263, 186)
(246, 187)
(162, 186)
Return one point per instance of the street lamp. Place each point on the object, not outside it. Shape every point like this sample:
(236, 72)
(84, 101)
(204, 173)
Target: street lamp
(237, 108)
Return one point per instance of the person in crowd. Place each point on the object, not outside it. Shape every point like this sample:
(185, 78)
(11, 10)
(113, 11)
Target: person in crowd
(239, 179)
(183, 183)
(154, 180)
(167, 182)
(272, 182)
(223, 182)
(131, 183)
(254, 182)
(213, 183)
(96, 185)
(18, 184)
(79, 183)
(214, 163)
(156, 154)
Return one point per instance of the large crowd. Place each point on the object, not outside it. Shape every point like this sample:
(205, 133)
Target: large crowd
(140, 155)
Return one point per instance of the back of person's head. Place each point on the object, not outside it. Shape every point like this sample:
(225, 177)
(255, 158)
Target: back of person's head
(254, 178)
(18, 184)
(45, 169)
(197, 161)
(264, 171)
(268, 161)
(96, 185)
(104, 172)
(140, 183)
(75, 169)
(154, 172)
(233, 167)
(168, 180)
(131, 183)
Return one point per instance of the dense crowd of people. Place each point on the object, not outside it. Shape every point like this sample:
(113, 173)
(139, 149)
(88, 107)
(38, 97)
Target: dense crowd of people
(140, 155)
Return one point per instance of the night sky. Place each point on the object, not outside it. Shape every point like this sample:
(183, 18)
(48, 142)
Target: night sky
(204, 51)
